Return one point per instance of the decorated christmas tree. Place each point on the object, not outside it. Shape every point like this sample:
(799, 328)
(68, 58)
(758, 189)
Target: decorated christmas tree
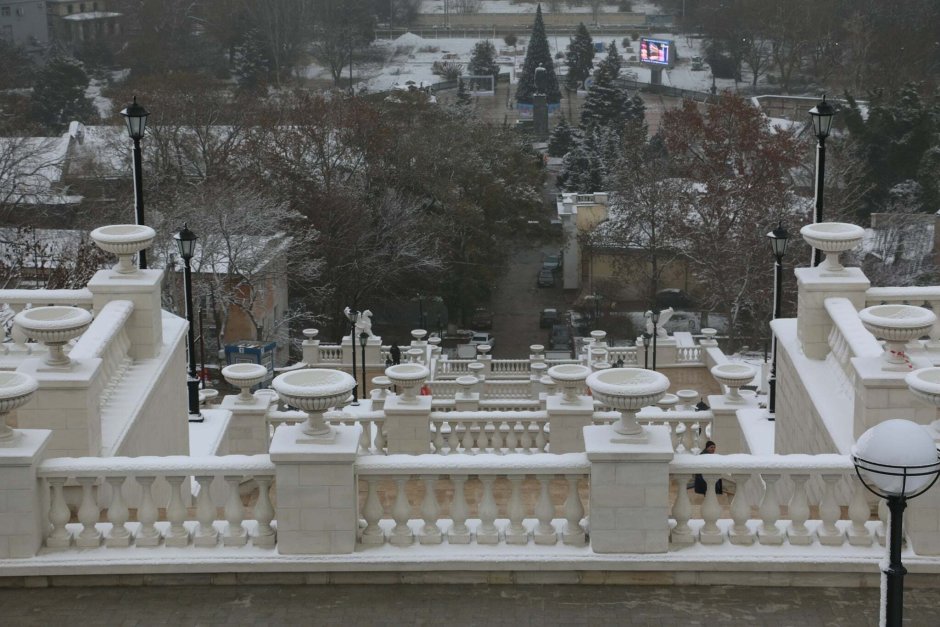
(537, 54)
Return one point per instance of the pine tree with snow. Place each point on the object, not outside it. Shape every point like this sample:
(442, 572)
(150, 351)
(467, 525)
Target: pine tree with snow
(611, 64)
(537, 53)
(581, 168)
(251, 63)
(464, 100)
(607, 105)
(580, 58)
(562, 139)
(483, 60)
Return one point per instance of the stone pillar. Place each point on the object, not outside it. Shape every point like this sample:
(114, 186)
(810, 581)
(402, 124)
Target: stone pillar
(20, 494)
(882, 394)
(922, 522)
(487, 361)
(726, 430)
(408, 425)
(812, 320)
(145, 325)
(629, 491)
(311, 347)
(247, 432)
(317, 507)
(568, 421)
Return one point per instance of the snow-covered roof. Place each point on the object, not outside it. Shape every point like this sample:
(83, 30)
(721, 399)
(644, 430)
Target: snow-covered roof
(90, 15)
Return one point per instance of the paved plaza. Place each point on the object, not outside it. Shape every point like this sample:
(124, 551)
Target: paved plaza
(485, 605)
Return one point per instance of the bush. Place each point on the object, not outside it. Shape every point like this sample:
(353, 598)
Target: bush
(722, 66)
(449, 70)
(624, 6)
(625, 42)
(429, 49)
(559, 55)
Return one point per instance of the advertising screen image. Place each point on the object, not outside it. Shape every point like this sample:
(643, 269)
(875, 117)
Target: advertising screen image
(655, 51)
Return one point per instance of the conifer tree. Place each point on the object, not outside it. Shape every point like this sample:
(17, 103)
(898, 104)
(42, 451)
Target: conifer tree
(582, 168)
(537, 54)
(463, 98)
(59, 94)
(562, 139)
(606, 104)
(483, 60)
(580, 57)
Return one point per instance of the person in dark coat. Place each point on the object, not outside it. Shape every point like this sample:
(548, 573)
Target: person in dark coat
(395, 352)
(701, 486)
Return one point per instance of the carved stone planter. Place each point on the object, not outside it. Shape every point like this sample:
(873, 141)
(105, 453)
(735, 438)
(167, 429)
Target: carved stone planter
(55, 327)
(832, 238)
(570, 378)
(734, 376)
(245, 377)
(16, 389)
(897, 325)
(314, 390)
(125, 241)
(409, 378)
(627, 390)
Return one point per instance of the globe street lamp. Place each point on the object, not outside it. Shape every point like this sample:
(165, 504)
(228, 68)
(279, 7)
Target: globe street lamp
(896, 460)
(136, 118)
(821, 115)
(778, 241)
(186, 243)
(363, 339)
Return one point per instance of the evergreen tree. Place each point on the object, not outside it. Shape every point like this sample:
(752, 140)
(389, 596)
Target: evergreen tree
(606, 104)
(562, 139)
(463, 98)
(611, 64)
(537, 54)
(483, 60)
(59, 95)
(580, 57)
(250, 62)
(581, 168)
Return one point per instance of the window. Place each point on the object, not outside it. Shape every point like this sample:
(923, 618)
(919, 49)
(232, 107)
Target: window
(5, 11)
(81, 7)
(69, 9)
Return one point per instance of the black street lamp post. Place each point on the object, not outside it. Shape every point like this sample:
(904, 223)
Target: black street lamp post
(353, 316)
(136, 117)
(186, 243)
(896, 484)
(646, 350)
(821, 115)
(655, 318)
(778, 240)
(363, 339)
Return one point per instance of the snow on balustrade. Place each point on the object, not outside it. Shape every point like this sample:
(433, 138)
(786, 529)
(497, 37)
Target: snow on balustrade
(500, 433)
(468, 499)
(689, 355)
(452, 368)
(330, 353)
(372, 438)
(627, 353)
(111, 488)
(507, 389)
(106, 339)
(516, 368)
(848, 339)
(689, 430)
(822, 486)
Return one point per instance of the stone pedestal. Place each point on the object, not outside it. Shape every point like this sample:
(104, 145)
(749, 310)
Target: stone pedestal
(882, 394)
(568, 421)
(373, 352)
(21, 494)
(922, 522)
(813, 323)
(311, 352)
(317, 508)
(145, 325)
(629, 491)
(726, 429)
(247, 432)
(407, 425)
(467, 402)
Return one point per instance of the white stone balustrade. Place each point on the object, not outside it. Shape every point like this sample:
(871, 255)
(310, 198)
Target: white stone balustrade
(149, 485)
(688, 429)
(472, 499)
(501, 433)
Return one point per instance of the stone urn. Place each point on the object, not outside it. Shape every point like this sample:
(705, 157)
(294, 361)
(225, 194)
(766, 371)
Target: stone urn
(833, 239)
(483, 349)
(627, 390)
(55, 327)
(125, 241)
(687, 399)
(467, 382)
(570, 378)
(16, 389)
(418, 335)
(245, 377)
(409, 378)
(476, 368)
(897, 325)
(598, 354)
(314, 390)
(598, 337)
(668, 402)
(536, 350)
(310, 334)
(708, 337)
(415, 355)
(924, 384)
(733, 376)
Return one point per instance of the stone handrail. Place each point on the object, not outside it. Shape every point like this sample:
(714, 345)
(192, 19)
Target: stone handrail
(330, 353)
(848, 338)
(452, 367)
(689, 355)
(154, 484)
(106, 339)
(629, 355)
(512, 367)
(466, 510)
(803, 483)
(514, 390)
(500, 433)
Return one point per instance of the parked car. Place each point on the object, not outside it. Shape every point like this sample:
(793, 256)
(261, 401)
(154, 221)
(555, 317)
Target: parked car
(479, 338)
(552, 262)
(548, 318)
(560, 339)
(698, 64)
(482, 318)
(546, 278)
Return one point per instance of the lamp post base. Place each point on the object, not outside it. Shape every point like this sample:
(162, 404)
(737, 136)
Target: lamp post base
(192, 385)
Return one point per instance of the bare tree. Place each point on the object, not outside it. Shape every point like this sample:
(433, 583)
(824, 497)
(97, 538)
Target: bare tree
(29, 167)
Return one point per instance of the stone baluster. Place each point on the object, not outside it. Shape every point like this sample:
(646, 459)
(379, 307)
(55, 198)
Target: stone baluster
(467, 441)
(574, 512)
(176, 514)
(859, 513)
(541, 441)
(545, 512)
(401, 534)
(481, 439)
(372, 511)
(235, 534)
(59, 516)
(883, 516)
(798, 508)
(206, 533)
(702, 436)
(682, 512)
(148, 534)
(687, 437)
(365, 435)
(459, 533)
(674, 436)
(512, 441)
(119, 536)
(711, 510)
(769, 533)
(380, 439)
(487, 532)
(497, 440)
(525, 441)
(516, 532)
(430, 533)
(453, 442)
(740, 511)
(439, 437)
(829, 512)
(88, 512)
(264, 514)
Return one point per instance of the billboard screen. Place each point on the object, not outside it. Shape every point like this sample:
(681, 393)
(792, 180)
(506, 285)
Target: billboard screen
(656, 51)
